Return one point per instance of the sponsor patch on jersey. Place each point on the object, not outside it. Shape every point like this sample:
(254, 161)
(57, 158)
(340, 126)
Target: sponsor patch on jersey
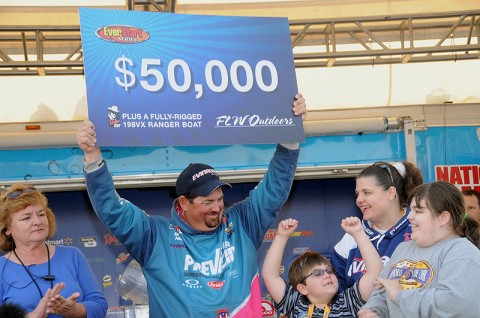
(216, 284)
(411, 274)
(192, 283)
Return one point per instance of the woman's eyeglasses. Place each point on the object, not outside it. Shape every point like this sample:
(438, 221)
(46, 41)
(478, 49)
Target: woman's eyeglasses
(15, 194)
(319, 272)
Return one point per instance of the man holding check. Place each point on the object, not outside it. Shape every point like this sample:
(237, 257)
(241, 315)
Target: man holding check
(202, 262)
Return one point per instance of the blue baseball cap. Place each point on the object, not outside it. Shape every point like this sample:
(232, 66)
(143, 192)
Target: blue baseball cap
(199, 179)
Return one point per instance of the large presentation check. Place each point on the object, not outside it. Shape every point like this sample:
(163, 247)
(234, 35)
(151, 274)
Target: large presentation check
(157, 79)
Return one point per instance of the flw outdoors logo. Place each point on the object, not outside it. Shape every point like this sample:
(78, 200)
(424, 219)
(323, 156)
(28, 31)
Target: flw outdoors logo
(123, 34)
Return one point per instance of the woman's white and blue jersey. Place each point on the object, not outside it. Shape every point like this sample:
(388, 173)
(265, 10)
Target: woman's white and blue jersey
(347, 259)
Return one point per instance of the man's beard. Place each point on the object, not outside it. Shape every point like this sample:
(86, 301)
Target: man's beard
(212, 223)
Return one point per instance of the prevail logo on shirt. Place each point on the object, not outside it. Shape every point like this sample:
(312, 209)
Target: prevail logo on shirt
(223, 257)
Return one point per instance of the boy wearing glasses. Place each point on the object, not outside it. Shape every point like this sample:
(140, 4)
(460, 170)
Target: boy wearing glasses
(312, 290)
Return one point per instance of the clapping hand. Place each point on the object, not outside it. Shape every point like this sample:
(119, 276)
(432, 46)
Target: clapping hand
(60, 305)
(41, 311)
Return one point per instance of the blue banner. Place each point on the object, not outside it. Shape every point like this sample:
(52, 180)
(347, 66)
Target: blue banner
(176, 79)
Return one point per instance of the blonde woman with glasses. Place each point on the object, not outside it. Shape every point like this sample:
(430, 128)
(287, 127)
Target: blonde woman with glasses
(45, 280)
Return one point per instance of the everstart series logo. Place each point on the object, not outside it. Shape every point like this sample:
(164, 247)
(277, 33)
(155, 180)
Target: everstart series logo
(123, 34)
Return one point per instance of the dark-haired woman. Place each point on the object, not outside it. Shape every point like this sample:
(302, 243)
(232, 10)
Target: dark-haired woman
(435, 274)
(382, 190)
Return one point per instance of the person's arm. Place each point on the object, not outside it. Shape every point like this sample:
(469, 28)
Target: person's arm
(339, 259)
(95, 303)
(86, 139)
(271, 265)
(373, 263)
(131, 226)
(92, 303)
(376, 305)
(260, 209)
(367, 313)
(42, 309)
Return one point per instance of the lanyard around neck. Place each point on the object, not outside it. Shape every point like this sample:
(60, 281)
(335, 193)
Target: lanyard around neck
(46, 277)
(311, 308)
